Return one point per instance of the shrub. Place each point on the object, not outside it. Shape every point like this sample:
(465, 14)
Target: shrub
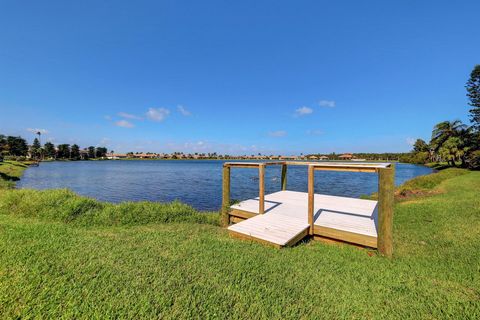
(417, 157)
(473, 160)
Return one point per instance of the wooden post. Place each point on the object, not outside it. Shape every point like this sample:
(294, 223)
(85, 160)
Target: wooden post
(224, 218)
(261, 188)
(284, 177)
(386, 188)
(311, 199)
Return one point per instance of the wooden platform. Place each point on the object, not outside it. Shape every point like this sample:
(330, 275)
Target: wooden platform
(285, 220)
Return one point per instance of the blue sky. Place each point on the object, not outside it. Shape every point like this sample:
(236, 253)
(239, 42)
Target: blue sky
(235, 76)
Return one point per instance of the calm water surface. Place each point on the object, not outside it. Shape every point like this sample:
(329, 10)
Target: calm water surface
(198, 183)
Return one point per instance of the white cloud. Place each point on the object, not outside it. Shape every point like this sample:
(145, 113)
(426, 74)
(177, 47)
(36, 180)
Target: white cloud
(129, 116)
(327, 103)
(303, 111)
(104, 142)
(184, 111)
(277, 134)
(157, 114)
(35, 130)
(411, 141)
(124, 124)
(315, 132)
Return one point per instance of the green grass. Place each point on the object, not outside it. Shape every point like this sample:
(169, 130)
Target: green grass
(65, 206)
(426, 184)
(62, 255)
(11, 171)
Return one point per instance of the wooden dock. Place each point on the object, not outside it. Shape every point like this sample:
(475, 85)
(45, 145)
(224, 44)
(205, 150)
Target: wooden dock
(285, 217)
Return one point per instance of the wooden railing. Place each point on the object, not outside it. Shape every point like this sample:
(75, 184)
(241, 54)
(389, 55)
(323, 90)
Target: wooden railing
(386, 176)
(261, 184)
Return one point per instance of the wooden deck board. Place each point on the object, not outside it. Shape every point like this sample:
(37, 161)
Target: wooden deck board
(279, 230)
(355, 219)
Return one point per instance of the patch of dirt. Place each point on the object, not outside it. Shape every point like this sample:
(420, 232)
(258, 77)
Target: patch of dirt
(404, 195)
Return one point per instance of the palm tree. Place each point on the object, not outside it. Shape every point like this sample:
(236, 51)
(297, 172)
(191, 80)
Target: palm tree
(454, 149)
(444, 130)
(40, 142)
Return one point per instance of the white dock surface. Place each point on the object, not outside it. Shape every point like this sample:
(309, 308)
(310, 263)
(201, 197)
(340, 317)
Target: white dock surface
(276, 229)
(286, 216)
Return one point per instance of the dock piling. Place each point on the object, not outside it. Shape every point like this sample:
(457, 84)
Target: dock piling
(261, 188)
(284, 177)
(311, 197)
(386, 188)
(224, 220)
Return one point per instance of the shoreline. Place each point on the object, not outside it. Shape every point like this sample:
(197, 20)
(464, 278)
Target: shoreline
(10, 181)
(229, 159)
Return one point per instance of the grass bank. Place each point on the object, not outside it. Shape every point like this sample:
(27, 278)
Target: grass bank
(62, 255)
(11, 171)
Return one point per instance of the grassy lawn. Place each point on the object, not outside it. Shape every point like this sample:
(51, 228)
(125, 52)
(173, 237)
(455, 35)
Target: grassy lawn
(62, 255)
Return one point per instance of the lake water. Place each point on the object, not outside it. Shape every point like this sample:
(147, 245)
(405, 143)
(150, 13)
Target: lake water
(196, 182)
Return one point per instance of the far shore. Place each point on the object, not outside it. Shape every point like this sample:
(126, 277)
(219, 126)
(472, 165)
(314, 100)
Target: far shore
(215, 159)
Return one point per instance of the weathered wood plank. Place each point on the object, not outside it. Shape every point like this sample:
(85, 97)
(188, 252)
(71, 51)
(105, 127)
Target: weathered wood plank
(271, 228)
(284, 177)
(242, 236)
(297, 238)
(224, 220)
(346, 169)
(386, 188)
(339, 164)
(336, 165)
(242, 214)
(346, 236)
(261, 188)
(234, 219)
(311, 197)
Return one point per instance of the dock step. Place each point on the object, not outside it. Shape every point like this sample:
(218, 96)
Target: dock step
(273, 229)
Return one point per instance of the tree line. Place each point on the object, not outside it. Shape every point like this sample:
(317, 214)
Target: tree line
(17, 147)
(454, 142)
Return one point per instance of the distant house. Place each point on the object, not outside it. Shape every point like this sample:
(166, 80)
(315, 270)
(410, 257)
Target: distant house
(312, 158)
(114, 156)
(84, 154)
(287, 157)
(324, 158)
(346, 156)
(145, 155)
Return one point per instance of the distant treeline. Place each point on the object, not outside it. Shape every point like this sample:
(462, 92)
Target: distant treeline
(18, 148)
(386, 156)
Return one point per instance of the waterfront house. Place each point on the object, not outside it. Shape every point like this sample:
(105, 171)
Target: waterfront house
(346, 156)
(114, 156)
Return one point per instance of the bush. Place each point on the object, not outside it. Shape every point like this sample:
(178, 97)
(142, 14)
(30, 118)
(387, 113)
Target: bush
(473, 160)
(417, 157)
(420, 157)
